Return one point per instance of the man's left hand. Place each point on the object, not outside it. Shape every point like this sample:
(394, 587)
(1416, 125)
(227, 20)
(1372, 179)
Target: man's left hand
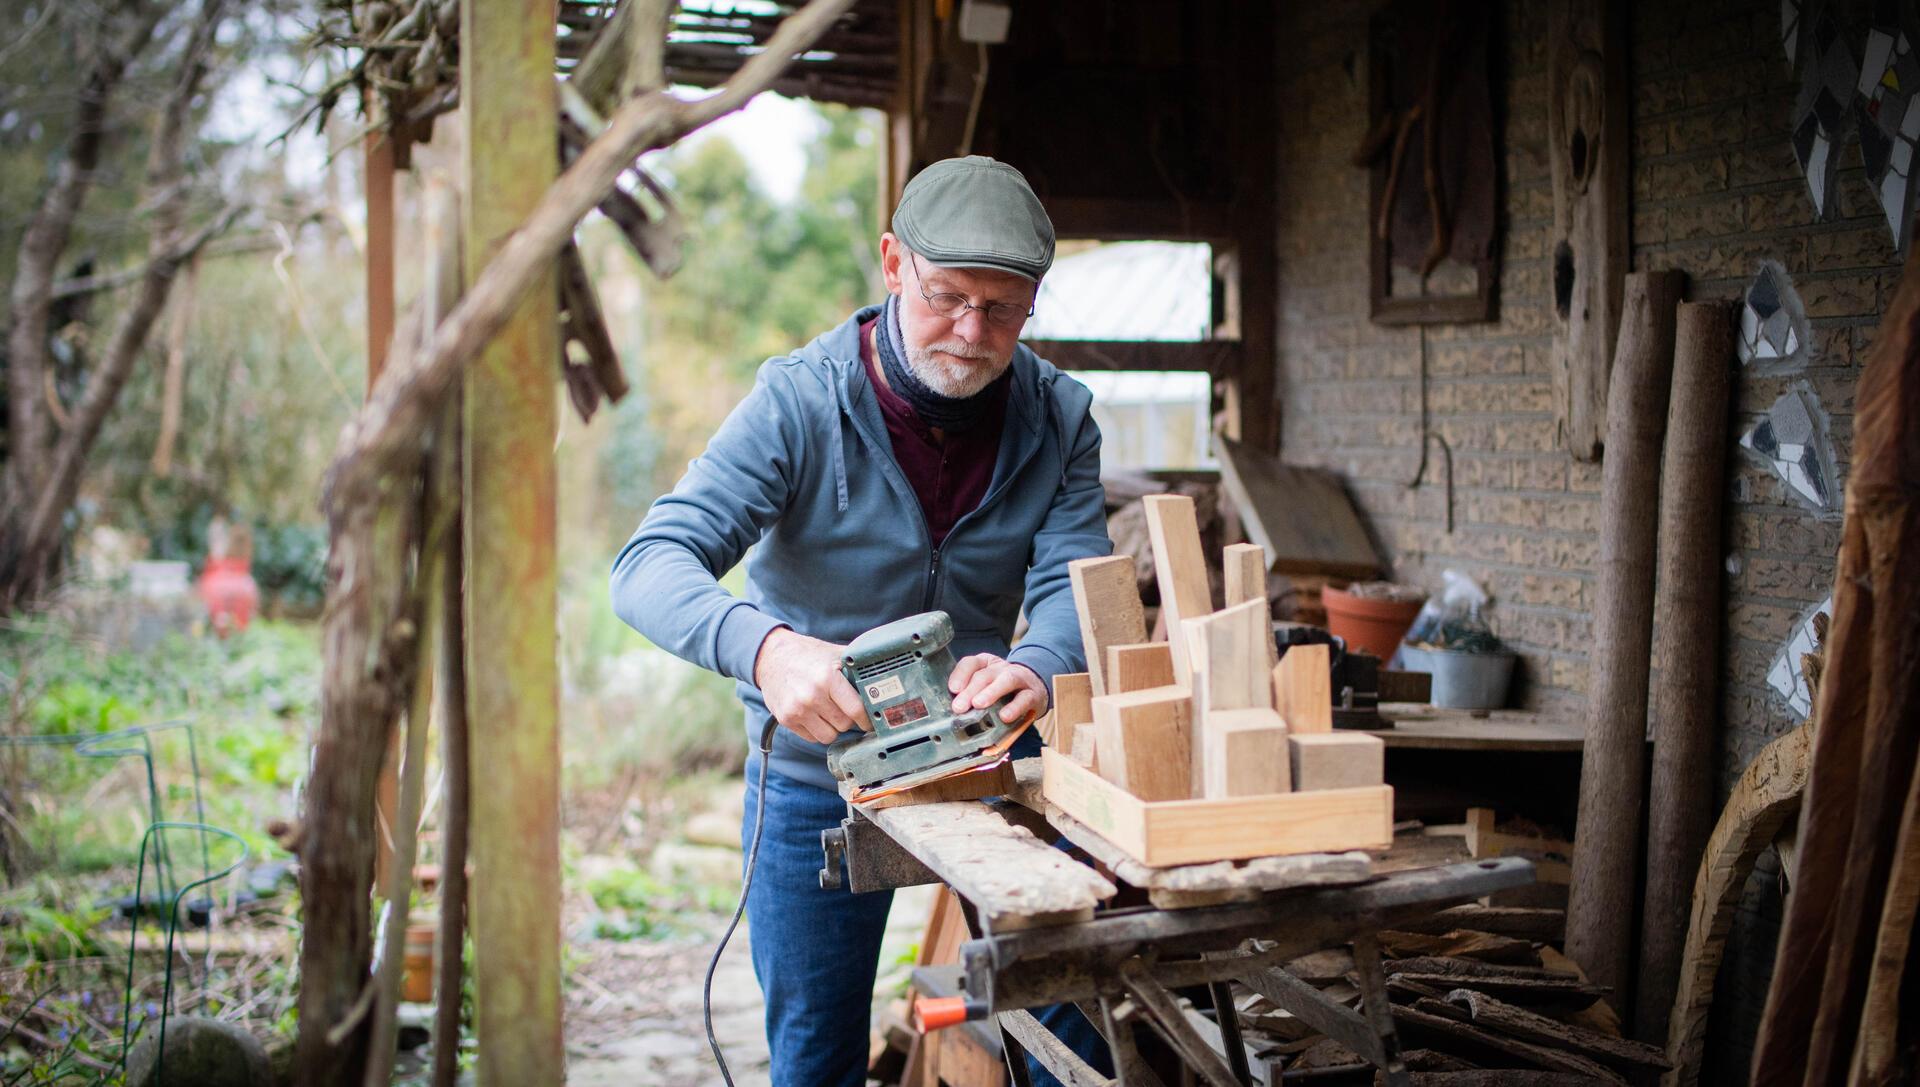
(983, 679)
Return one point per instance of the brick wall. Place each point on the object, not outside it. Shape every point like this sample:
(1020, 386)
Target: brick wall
(1715, 192)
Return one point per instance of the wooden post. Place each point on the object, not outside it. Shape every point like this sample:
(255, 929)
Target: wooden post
(1686, 702)
(1587, 121)
(1607, 843)
(508, 98)
(1248, 392)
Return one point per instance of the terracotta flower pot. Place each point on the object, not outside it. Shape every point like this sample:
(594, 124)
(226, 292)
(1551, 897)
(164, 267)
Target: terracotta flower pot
(1373, 625)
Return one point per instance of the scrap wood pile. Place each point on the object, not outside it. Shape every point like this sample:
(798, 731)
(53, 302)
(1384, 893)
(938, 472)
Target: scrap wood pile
(1480, 995)
(1207, 714)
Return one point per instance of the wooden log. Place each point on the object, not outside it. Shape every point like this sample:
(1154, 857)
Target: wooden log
(1303, 689)
(1868, 706)
(1144, 741)
(1686, 704)
(1588, 118)
(1180, 569)
(1137, 667)
(1496, 1014)
(1336, 760)
(1606, 866)
(1245, 754)
(1108, 601)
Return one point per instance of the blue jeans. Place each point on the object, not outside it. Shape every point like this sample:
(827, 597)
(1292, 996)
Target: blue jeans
(816, 952)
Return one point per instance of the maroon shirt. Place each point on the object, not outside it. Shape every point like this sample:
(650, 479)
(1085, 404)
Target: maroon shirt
(950, 477)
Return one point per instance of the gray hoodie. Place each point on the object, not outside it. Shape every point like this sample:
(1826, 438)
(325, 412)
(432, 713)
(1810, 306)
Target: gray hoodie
(803, 468)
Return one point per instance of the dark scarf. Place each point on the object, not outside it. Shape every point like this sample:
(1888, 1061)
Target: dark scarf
(945, 413)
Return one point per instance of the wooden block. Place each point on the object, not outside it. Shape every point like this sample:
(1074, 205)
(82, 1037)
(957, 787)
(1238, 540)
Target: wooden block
(1301, 516)
(1336, 760)
(1245, 566)
(1143, 741)
(1303, 688)
(1138, 667)
(1228, 647)
(1108, 600)
(1086, 747)
(1072, 707)
(1246, 754)
(1180, 568)
(1198, 831)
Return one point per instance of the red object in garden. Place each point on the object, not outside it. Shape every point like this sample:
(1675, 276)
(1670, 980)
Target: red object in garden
(230, 594)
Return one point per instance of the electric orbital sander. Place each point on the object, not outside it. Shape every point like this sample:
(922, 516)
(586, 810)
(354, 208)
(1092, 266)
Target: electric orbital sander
(900, 671)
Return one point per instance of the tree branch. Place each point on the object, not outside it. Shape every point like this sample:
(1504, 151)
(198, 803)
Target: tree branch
(41, 245)
(403, 402)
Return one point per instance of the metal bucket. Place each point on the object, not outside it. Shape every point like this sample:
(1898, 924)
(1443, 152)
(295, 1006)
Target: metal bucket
(1463, 681)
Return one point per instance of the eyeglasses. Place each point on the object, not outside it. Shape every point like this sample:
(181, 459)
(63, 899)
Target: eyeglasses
(950, 305)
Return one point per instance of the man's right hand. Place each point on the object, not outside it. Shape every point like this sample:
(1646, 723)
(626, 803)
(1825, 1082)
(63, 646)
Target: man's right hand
(799, 677)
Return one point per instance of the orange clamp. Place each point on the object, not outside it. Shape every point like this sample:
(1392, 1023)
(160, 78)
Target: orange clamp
(931, 1013)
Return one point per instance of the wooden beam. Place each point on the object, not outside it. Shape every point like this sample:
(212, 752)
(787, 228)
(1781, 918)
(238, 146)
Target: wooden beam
(1303, 688)
(1106, 219)
(1107, 598)
(1180, 569)
(1214, 357)
(509, 106)
(1248, 388)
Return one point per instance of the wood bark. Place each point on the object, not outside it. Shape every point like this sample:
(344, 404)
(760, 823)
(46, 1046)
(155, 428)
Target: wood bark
(1764, 801)
(1686, 704)
(1868, 706)
(1601, 902)
(455, 765)
(404, 401)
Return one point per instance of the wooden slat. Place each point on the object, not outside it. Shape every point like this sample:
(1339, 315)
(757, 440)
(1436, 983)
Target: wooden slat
(1193, 831)
(1107, 598)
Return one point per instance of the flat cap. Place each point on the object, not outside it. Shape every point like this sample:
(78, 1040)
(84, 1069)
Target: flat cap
(975, 212)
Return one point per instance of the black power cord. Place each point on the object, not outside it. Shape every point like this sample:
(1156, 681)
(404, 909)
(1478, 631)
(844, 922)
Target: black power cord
(746, 884)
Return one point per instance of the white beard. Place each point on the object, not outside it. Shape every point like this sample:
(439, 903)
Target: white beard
(951, 378)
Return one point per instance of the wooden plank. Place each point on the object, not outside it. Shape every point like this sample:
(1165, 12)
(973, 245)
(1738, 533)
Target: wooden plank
(1539, 925)
(1246, 754)
(1144, 741)
(1245, 567)
(1303, 688)
(1217, 357)
(510, 137)
(1108, 601)
(1180, 569)
(1301, 516)
(1188, 886)
(1336, 760)
(1072, 707)
(1606, 865)
(1194, 831)
(1421, 1022)
(1138, 667)
(1013, 878)
(1588, 118)
(1686, 694)
(1433, 728)
(1496, 1014)
(995, 780)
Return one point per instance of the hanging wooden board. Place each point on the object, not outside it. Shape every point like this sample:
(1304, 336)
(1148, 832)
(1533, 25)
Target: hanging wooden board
(1301, 516)
(1587, 119)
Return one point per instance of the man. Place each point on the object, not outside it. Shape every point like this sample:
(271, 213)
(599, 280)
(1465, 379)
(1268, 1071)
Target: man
(916, 458)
